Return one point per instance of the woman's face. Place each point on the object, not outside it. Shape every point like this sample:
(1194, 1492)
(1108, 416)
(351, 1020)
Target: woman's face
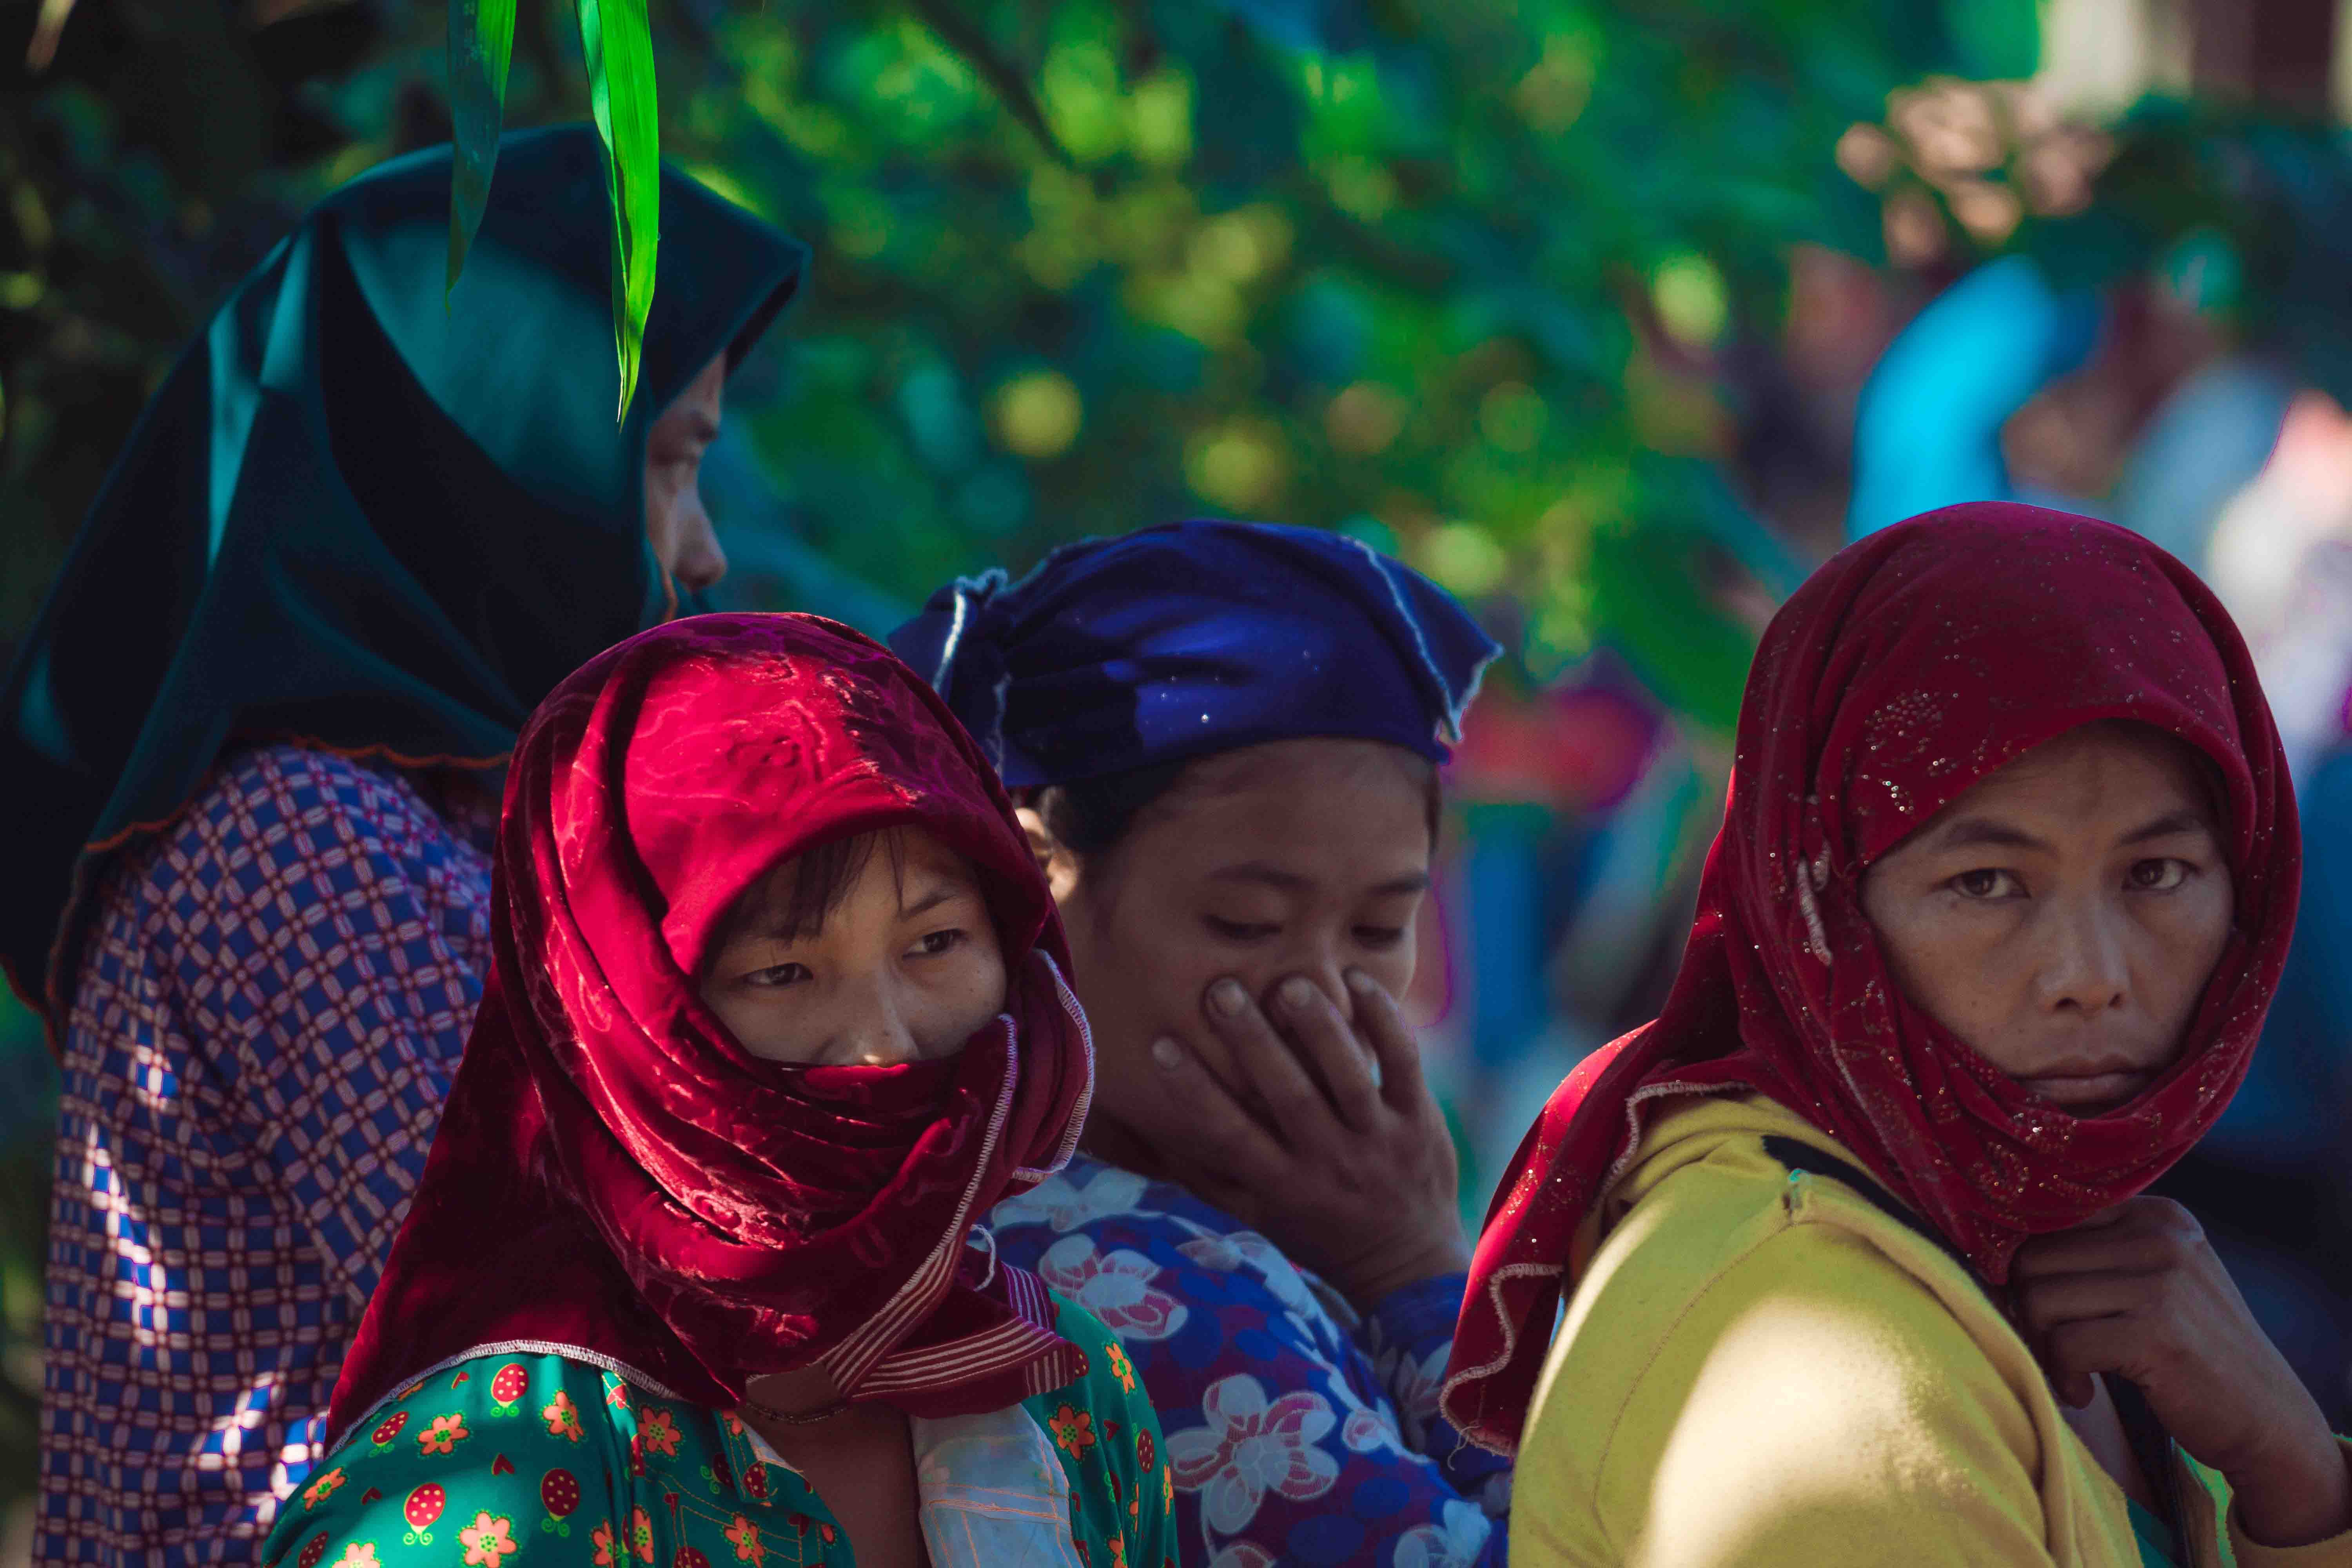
(1307, 857)
(676, 524)
(2062, 916)
(904, 966)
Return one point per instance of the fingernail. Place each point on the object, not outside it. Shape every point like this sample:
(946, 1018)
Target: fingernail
(1168, 1053)
(1297, 992)
(1228, 997)
(1359, 983)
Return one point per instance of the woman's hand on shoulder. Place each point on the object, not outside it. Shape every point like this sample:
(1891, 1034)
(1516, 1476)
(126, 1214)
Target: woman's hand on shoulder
(2138, 1292)
(1341, 1157)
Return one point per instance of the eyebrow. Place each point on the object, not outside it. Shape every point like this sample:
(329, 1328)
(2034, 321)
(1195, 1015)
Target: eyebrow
(771, 927)
(1292, 882)
(1968, 831)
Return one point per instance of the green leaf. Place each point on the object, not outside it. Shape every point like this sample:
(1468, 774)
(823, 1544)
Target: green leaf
(617, 38)
(481, 41)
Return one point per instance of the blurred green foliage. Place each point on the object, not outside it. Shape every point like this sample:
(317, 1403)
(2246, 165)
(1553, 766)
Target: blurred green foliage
(1436, 272)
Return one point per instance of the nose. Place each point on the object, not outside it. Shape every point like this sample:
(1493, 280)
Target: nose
(2085, 970)
(874, 1031)
(701, 562)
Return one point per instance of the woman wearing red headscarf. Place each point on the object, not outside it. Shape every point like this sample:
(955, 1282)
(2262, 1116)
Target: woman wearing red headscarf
(1855, 1262)
(775, 1013)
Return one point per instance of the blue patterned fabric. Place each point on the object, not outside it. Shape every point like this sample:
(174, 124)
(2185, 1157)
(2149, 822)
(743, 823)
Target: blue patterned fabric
(1173, 642)
(275, 994)
(1298, 1434)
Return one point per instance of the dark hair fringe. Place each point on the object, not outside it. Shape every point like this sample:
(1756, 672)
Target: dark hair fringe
(1090, 818)
(794, 898)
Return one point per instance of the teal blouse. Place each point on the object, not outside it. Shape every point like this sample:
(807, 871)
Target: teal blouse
(525, 1458)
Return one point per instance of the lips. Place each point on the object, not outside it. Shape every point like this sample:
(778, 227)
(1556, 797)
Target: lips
(2089, 1090)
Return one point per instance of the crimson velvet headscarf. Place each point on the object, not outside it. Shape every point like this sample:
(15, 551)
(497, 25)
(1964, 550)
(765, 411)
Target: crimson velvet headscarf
(615, 1178)
(1911, 665)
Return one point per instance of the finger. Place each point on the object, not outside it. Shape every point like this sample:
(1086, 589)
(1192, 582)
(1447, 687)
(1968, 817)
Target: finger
(1394, 1045)
(1294, 1103)
(1331, 1044)
(1225, 1137)
(2148, 1242)
(2044, 1304)
(2074, 1389)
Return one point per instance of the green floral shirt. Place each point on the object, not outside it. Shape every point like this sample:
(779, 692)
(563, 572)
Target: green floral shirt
(539, 1460)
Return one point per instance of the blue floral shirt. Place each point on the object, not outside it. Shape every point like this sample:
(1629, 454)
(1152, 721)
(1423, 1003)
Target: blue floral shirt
(1298, 1432)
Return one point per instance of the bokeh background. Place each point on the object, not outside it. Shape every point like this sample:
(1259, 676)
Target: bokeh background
(1571, 303)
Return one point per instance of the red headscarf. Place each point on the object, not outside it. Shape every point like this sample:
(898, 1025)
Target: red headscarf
(615, 1178)
(1909, 667)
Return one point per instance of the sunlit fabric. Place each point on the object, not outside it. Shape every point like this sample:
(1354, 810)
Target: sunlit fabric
(1191, 637)
(1909, 667)
(615, 1177)
(365, 512)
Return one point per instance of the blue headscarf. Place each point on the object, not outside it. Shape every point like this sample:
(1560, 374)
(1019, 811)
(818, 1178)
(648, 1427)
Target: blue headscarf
(1190, 638)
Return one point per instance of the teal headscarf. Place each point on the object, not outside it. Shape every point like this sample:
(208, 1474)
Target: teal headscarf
(358, 517)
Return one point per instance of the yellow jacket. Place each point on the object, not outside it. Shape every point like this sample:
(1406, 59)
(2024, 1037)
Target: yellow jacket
(1764, 1369)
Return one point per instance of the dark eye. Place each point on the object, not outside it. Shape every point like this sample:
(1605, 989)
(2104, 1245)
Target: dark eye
(2158, 876)
(1240, 931)
(777, 974)
(934, 943)
(1985, 883)
(1379, 937)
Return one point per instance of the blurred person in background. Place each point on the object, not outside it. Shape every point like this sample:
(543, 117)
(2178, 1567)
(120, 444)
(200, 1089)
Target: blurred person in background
(1853, 1241)
(253, 739)
(1224, 738)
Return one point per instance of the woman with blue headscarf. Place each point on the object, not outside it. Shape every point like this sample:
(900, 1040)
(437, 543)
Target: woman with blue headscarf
(252, 741)
(1225, 739)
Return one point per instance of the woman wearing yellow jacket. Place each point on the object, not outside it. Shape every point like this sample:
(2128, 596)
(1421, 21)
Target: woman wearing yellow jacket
(1856, 1265)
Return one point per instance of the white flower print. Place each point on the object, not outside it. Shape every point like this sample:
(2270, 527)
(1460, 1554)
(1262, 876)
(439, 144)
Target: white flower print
(1065, 1205)
(1117, 1288)
(1453, 1545)
(1252, 1447)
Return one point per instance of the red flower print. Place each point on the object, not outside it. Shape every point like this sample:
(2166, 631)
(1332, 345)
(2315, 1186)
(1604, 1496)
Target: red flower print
(607, 1552)
(660, 1434)
(389, 1429)
(324, 1487)
(423, 1507)
(734, 1423)
(824, 1530)
(560, 1491)
(1074, 1430)
(313, 1552)
(511, 1384)
(641, 1534)
(488, 1540)
(617, 1395)
(1117, 1551)
(563, 1417)
(358, 1554)
(1122, 1369)
(446, 1432)
(412, 1390)
(744, 1537)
